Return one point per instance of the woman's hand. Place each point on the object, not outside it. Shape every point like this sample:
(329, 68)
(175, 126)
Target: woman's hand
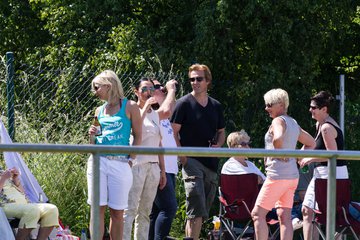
(171, 85)
(7, 174)
(15, 172)
(92, 131)
(305, 161)
(15, 176)
(149, 102)
(163, 180)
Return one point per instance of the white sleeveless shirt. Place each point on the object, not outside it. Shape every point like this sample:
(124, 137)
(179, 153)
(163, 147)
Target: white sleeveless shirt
(278, 169)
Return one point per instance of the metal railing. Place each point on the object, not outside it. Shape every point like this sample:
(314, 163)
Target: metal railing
(96, 150)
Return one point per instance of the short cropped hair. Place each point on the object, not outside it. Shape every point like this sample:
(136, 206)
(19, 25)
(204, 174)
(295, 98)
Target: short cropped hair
(109, 77)
(277, 95)
(235, 138)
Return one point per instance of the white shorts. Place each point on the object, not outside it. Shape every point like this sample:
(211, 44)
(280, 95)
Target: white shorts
(322, 173)
(115, 182)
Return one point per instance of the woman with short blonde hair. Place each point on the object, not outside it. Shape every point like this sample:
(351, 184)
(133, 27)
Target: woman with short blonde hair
(282, 174)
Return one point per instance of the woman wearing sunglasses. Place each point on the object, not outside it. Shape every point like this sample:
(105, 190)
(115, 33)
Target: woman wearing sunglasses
(328, 137)
(117, 117)
(282, 174)
(148, 170)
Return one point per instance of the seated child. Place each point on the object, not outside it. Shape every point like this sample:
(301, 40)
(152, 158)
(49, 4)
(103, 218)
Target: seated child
(16, 205)
(238, 165)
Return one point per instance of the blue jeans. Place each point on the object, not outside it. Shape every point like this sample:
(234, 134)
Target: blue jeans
(164, 210)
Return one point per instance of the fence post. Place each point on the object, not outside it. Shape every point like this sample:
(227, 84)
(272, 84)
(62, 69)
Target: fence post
(95, 198)
(10, 93)
(331, 199)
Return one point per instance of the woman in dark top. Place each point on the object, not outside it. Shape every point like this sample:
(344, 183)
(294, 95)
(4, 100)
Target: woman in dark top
(328, 137)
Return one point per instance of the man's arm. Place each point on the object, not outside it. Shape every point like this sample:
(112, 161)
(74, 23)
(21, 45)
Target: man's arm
(220, 139)
(176, 128)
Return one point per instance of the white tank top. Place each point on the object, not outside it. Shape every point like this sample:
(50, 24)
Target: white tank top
(150, 137)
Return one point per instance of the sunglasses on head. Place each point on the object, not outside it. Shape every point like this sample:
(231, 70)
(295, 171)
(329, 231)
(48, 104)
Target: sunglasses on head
(199, 79)
(145, 89)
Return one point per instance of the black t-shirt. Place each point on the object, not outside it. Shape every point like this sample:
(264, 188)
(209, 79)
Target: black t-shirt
(198, 124)
(320, 145)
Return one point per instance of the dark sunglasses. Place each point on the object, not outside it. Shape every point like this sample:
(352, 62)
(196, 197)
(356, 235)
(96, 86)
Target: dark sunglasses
(96, 87)
(199, 79)
(314, 107)
(158, 86)
(145, 89)
(269, 105)
(244, 144)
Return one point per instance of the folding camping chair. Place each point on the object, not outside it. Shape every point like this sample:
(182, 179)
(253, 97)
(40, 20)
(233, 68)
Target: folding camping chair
(237, 196)
(344, 222)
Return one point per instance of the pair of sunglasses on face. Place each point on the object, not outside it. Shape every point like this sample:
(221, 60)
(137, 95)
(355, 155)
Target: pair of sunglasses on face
(198, 79)
(314, 107)
(151, 89)
(98, 86)
(269, 105)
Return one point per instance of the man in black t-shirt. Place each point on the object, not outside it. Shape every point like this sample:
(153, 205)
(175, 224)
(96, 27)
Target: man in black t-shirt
(198, 121)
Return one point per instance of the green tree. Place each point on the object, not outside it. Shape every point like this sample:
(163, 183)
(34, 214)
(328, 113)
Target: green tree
(21, 29)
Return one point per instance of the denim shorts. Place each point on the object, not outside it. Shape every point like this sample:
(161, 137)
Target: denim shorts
(200, 186)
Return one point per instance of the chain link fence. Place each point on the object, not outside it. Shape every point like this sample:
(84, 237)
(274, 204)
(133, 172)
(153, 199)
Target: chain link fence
(56, 105)
(59, 98)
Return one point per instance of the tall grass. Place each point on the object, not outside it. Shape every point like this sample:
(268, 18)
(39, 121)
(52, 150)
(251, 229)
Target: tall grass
(61, 175)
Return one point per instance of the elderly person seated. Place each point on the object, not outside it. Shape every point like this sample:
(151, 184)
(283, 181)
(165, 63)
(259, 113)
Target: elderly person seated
(238, 165)
(16, 205)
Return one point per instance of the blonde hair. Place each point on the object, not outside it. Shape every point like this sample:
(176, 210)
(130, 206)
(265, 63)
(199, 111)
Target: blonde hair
(277, 95)
(109, 77)
(235, 138)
